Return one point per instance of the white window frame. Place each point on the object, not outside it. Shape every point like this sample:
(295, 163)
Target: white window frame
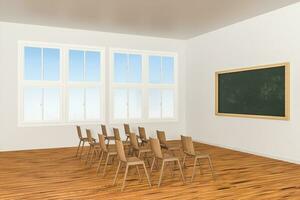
(63, 84)
(145, 85)
(86, 84)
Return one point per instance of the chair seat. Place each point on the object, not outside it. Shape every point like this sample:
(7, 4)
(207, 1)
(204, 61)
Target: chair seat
(201, 155)
(127, 143)
(144, 150)
(170, 147)
(134, 161)
(112, 152)
(110, 137)
(169, 157)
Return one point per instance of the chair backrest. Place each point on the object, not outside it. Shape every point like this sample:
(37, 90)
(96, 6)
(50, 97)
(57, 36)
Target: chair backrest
(79, 132)
(116, 134)
(155, 146)
(189, 146)
(89, 136)
(161, 136)
(183, 142)
(120, 151)
(127, 129)
(142, 133)
(102, 142)
(133, 141)
(103, 128)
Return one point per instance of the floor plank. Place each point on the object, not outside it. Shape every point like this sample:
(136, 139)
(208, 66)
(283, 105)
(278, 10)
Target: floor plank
(57, 174)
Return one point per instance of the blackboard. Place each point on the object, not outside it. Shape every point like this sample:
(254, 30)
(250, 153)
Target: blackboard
(261, 92)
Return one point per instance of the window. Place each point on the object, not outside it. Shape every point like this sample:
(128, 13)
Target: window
(41, 92)
(127, 86)
(84, 85)
(127, 103)
(64, 84)
(143, 86)
(161, 70)
(161, 103)
(59, 84)
(161, 94)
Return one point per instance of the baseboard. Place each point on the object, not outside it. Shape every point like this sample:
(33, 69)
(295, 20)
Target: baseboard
(34, 149)
(251, 152)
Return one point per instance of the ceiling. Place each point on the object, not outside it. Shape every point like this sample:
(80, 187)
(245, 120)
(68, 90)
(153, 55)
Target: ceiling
(180, 19)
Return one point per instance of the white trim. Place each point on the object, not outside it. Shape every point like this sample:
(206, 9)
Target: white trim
(250, 152)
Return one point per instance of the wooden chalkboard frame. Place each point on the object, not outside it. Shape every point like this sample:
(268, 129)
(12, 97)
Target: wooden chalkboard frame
(287, 91)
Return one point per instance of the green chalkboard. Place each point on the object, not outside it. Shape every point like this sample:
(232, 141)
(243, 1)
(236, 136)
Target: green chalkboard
(256, 91)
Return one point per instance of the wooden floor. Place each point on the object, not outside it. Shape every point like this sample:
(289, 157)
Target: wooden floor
(57, 174)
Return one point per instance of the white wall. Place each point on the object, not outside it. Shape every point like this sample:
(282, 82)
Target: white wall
(13, 137)
(266, 39)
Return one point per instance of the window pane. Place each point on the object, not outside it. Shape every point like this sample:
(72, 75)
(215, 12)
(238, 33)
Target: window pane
(76, 104)
(168, 70)
(135, 69)
(120, 68)
(120, 104)
(167, 103)
(92, 66)
(51, 60)
(32, 63)
(154, 69)
(51, 103)
(92, 103)
(76, 65)
(154, 103)
(135, 103)
(33, 104)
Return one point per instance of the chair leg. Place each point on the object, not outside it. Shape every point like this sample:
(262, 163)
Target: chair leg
(147, 175)
(98, 168)
(115, 179)
(107, 158)
(183, 162)
(169, 165)
(194, 169)
(125, 176)
(200, 167)
(138, 171)
(81, 151)
(88, 154)
(179, 165)
(211, 167)
(152, 165)
(78, 148)
(92, 156)
(161, 173)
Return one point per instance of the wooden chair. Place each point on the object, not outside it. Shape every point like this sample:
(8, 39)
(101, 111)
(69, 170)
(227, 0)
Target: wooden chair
(118, 137)
(131, 161)
(165, 158)
(188, 149)
(135, 146)
(104, 132)
(105, 151)
(94, 147)
(164, 143)
(143, 136)
(81, 140)
(127, 131)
